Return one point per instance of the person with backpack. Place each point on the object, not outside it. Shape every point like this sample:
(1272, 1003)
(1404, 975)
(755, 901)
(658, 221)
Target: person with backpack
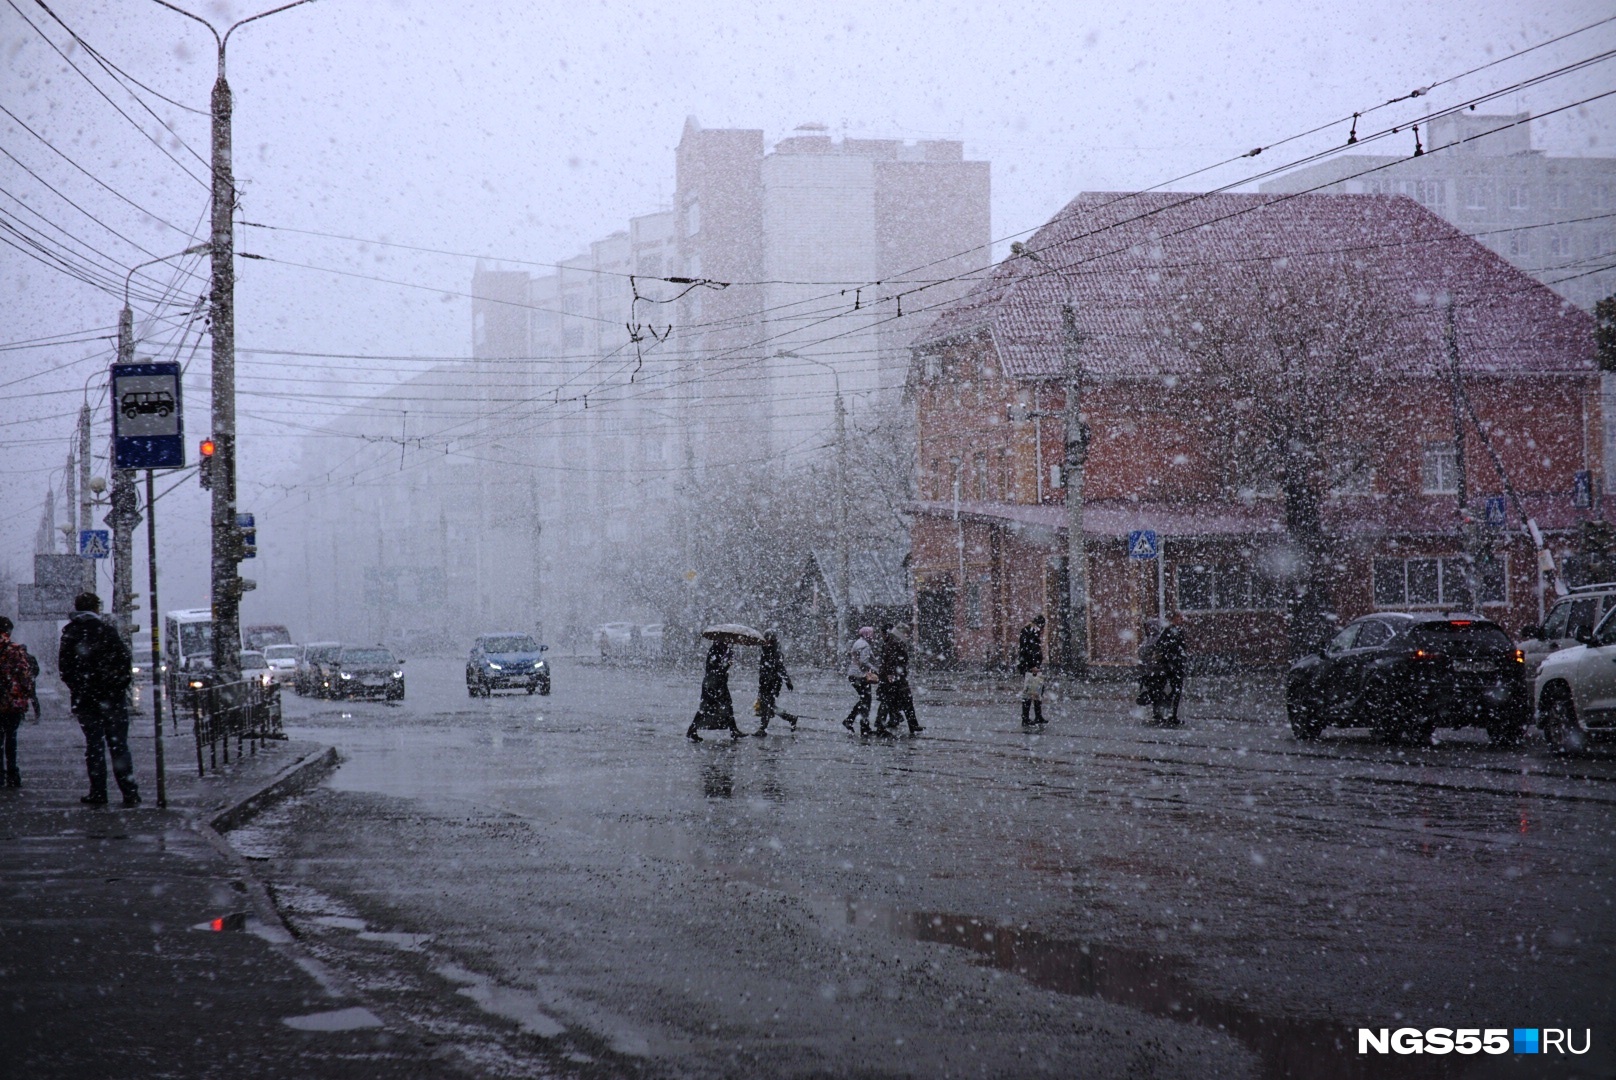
(861, 675)
(95, 664)
(16, 690)
(1030, 666)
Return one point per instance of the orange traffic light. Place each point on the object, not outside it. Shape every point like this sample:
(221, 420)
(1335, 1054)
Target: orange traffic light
(207, 447)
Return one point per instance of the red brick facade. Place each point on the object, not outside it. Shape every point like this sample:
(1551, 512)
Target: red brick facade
(989, 539)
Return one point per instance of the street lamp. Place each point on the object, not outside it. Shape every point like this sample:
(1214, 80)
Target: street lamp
(226, 584)
(843, 574)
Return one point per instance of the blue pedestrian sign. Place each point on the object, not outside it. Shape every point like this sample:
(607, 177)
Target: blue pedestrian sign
(1142, 544)
(148, 430)
(95, 544)
(1497, 512)
(1582, 490)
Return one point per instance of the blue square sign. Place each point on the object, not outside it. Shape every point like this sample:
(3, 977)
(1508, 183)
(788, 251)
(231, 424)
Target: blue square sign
(148, 429)
(95, 544)
(1142, 544)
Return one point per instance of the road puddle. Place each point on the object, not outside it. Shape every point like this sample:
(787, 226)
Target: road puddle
(1142, 979)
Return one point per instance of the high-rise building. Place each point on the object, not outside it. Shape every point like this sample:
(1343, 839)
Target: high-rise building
(1552, 216)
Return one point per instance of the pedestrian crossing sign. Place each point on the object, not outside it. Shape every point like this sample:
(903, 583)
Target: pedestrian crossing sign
(1142, 544)
(95, 544)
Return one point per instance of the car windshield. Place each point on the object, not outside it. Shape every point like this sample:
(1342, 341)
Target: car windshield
(252, 661)
(512, 644)
(1460, 636)
(367, 656)
(281, 652)
(324, 652)
(196, 638)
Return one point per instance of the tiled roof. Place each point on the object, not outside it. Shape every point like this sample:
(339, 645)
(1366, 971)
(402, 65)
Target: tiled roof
(1123, 260)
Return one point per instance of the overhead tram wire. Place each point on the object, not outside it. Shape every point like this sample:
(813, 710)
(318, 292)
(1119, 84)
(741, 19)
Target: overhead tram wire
(1113, 225)
(133, 123)
(55, 191)
(56, 150)
(101, 59)
(96, 261)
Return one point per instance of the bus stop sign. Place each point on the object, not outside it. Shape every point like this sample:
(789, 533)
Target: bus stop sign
(148, 430)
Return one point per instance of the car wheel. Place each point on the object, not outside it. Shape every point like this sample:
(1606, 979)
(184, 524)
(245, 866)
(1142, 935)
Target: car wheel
(532, 686)
(1388, 719)
(1305, 722)
(1560, 721)
(544, 688)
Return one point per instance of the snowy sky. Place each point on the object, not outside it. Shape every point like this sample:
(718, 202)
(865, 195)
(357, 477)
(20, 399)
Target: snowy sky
(523, 131)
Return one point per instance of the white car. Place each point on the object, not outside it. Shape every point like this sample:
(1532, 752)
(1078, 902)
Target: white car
(282, 661)
(1575, 690)
(615, 638)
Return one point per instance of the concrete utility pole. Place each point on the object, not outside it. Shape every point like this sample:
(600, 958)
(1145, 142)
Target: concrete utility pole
(227, 585)
(1077, 452)
(84, 492)
(124, 516)
(1467, 534)
(844, 573)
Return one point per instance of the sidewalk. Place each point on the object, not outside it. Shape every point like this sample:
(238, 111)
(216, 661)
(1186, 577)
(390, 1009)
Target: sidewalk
(108, 964)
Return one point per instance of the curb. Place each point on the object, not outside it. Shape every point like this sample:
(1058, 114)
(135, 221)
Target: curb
(298, 776)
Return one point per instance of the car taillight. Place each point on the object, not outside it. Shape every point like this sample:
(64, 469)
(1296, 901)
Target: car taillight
(1459, 622)
(1425, 654)
(1520, 656)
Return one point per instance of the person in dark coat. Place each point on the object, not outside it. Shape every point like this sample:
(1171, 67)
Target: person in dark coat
(33, 671)
(94, 663)
(1030, 666)
(897, 701)
(717, 709)
(772, 675)
(1163, 681)
(16, 690)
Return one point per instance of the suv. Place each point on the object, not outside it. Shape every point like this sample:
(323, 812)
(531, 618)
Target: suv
(1568, 623)
(310, 679)
(1403, 675)
(1576, 688)
(366, 671)
(500, 661)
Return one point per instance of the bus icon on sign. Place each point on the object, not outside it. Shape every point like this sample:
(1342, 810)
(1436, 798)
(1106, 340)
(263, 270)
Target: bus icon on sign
(147, 403)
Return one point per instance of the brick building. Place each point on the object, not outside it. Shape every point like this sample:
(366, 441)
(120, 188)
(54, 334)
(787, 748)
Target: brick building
(988, 537)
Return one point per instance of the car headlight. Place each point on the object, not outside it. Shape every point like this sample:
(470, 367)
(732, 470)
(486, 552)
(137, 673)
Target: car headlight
(538, 665)
(495, 666)
(345, 675)
(398, 674)
(196, 684)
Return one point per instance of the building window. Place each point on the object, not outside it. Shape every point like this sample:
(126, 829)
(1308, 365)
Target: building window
(693, 221)
(1559, 196)
(1519, 245)
(1439, 469)
(1475, 196)
(973, 604)
(979, 473)
(1559, 244)
(1351, 471)
(1225, 587)
(1438, 582)
(1517, 197)
(1605, 196)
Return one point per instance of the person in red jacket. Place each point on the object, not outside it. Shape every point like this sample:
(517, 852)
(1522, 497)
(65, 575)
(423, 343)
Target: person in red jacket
(16, 691)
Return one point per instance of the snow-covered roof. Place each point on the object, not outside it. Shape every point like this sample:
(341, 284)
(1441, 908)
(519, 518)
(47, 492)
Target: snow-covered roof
(875, 578)
(1124, 259)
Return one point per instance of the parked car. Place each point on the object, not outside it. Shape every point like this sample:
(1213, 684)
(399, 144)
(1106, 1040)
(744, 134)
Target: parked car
(507, 661)
(1403, 675)
(615, 638)
(1575, 690)
(312, 679)
(651, 641)
(1569, 622)
(262, 635)
(282, 662)
(366, 671)
(256, 668)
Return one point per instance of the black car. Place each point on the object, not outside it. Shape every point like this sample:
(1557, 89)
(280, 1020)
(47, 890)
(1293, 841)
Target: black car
(1404, 675)
(366, 671)
(510, 660)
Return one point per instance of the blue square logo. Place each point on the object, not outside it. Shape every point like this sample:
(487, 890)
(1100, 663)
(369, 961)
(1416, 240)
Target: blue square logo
(1526, 1040)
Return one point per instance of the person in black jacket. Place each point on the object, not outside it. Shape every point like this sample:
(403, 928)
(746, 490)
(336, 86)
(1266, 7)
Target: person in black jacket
(897, 701)
(717, 708)
(772, 675)
(1162, 683)
(1030, 666)
(94, 663)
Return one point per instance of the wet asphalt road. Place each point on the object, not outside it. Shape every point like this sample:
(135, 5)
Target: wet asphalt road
(561, 884)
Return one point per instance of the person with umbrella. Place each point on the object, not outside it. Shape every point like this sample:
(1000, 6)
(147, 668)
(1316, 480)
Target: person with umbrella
(771, 675)
(717, 709)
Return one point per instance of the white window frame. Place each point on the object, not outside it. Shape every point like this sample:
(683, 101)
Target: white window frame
(1439, 469)
(1449, 582)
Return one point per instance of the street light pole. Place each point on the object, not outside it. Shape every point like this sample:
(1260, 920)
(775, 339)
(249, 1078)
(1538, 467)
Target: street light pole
(226, 583)
(843, 570)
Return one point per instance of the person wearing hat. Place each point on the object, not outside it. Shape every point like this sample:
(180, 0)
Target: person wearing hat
(94, 663)
(772, 675)
(16, 691)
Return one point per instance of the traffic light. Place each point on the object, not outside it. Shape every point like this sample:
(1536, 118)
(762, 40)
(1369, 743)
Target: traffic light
(204, 466)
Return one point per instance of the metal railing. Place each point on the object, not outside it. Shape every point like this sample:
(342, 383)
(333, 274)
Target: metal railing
(247, 711)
